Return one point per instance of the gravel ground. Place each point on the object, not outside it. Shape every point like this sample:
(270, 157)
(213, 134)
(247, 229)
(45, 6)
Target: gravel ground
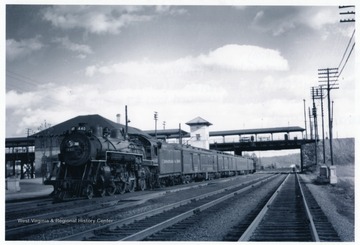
(337, 202)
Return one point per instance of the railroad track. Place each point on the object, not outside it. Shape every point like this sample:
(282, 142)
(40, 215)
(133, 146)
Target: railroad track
(44, 217)
(324, 228)
(140, 226)
(291, 214)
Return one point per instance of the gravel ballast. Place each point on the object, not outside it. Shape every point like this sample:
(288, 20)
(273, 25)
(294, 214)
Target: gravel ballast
(215, 226)
(337, 202)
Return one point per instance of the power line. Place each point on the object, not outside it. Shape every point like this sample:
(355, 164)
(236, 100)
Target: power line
(32, 83)
(352, 48)
(352, 36)
(22, 78)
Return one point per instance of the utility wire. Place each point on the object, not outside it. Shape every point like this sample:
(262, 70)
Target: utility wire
(352, 48)
(352, 36)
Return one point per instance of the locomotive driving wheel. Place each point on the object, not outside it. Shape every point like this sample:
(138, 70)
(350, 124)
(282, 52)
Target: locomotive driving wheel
(101, 192)
(100, 187)
(131, 184)
(89, 191)
(142, 183)
(111, 188)
(121, 187)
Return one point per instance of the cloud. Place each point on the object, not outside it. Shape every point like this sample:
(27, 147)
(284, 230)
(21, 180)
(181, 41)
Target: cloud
(231, 57)
(318, 18)
(104, 19)
(284, 19)
(81, 49)
(55, 103)
(245, 58)
(259, 15)
(19, 49)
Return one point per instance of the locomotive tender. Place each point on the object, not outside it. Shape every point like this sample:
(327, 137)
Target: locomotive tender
(98, 161)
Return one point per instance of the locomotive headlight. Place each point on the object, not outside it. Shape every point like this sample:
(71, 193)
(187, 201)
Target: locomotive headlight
(70, 143)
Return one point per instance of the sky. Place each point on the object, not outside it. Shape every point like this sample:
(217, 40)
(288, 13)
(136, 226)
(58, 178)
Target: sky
(237, 66)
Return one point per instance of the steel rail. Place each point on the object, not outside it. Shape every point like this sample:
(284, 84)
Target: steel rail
(90, 233)
(165, 224)
(313, 230)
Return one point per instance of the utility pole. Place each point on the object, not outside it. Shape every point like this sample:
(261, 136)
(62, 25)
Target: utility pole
(330, 75)
(322, 123)
(319, 96)
(28, 131)
(311, 128)
(305, 119)
(164, 123)
(180, 136)
(332, 115)
(315, 122)
(155, 118)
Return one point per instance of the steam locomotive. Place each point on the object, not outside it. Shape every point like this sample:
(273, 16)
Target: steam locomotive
(97, 161)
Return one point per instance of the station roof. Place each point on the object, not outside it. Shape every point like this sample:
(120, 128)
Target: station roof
(167, 133)
(90, 120)
(19, 141)
(257, 131)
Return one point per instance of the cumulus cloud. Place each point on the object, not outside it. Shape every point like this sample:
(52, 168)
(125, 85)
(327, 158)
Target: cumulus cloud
(81, 49)
(18, 49)
(229, 57)
(245, 58)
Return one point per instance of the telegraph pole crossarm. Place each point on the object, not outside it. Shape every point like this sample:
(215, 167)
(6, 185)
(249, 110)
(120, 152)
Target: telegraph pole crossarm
(349, 12)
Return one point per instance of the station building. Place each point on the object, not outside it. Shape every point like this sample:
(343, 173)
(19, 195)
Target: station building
(33, 156)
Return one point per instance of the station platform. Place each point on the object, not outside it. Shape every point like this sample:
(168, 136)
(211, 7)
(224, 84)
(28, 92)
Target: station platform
(29, 188)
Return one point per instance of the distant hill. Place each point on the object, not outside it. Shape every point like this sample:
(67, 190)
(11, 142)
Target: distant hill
(343, 150)
(280, 161)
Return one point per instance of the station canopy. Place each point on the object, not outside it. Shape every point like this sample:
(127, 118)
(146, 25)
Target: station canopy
(257, 131)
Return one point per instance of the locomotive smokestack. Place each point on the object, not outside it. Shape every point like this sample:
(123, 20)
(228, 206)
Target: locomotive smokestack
(118, 118)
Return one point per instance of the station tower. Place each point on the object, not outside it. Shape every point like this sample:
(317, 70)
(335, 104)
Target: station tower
(199, 133)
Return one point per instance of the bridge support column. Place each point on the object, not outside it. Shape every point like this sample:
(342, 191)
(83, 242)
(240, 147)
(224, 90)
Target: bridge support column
(238, 152)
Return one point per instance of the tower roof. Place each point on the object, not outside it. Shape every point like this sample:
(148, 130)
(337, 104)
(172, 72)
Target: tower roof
(198, 121)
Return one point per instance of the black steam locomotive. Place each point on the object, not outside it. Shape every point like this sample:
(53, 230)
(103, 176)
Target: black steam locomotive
(101, 162)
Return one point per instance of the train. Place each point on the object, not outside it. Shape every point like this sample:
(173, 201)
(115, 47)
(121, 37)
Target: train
(98, 162)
